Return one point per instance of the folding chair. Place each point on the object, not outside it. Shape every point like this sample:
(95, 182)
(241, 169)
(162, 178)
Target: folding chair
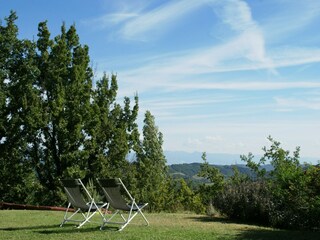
(112, 190)
(76, 199)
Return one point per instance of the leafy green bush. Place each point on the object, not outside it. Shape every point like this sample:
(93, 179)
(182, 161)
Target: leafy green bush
(286, 197)
(245, 201)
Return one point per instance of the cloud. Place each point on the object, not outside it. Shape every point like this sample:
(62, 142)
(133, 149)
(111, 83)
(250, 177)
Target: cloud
(235, 13)
(244, 51)
(157, 19)
(252, 86)
(288, 18)
(112, 19)
(196, 68)
(295, 103)
(248, 43)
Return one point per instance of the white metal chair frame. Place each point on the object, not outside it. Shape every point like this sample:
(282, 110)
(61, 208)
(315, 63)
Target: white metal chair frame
(91, 207)
(133, 208)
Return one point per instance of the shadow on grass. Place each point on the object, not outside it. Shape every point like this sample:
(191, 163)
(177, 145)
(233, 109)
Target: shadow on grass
(262, 234)
(55, 229)
(211, 219)
(71, 229)
(29, 228)
(274, 234)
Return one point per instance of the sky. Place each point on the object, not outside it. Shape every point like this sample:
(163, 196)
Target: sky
(219, 76)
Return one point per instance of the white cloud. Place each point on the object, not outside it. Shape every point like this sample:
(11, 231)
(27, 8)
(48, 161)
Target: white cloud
(289, 18)
(213, 139)
(249, 48)
(111, 19)
(243, 137)
(252, 86)
(178, 73)
(235, 13)
(245, 51)
(295, 103)
(160, 18)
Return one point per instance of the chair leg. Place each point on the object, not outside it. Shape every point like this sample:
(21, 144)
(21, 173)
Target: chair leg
(65, 218)
(144, 217)
(107, 220)
(87, 218)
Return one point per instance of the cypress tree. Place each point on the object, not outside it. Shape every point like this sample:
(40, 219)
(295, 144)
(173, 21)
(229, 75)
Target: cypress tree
(151, 165)
(19, 110)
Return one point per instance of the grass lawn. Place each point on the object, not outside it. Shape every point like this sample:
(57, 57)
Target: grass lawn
(24, 224)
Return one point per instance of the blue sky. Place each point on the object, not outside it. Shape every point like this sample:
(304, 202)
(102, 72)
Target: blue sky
(218, 75)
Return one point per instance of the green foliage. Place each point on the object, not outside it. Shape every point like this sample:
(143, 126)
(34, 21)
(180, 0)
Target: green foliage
(91, 186)
(287, 197)
(151, 166)
(18, 109)
(53, 123)
(215, 178)
(181, 197)
(245, 200)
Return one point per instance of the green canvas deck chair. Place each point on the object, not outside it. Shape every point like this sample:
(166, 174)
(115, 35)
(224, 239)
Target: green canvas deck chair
(76, 191)
(113, 189)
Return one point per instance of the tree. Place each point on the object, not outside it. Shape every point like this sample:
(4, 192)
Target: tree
(151, 165)
(53, 123)
(64, 86)
(112, 131)
(86, 133)
(216, 181)
(19, 109)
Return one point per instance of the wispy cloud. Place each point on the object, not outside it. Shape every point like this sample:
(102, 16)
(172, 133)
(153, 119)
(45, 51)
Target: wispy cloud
(112, 19)
(248, 43)
(244, 51)
(158, 19)
(251, 86)
(295, 103)
(118, 13)
(177, 73)
(289, 18)
(235, 13)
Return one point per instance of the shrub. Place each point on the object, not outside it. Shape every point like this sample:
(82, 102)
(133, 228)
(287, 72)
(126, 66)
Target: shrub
(286, 197)
(245, 201)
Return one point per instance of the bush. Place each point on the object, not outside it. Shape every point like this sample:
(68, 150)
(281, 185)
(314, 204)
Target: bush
(286, 197)
(246, 201)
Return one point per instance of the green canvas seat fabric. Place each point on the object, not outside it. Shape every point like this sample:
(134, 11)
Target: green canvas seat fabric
(76, 199)
(115, 192)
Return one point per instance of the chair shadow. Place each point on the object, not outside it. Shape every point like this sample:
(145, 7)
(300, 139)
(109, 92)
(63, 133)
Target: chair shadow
(53, 229)
(69, 228)
(29, 228)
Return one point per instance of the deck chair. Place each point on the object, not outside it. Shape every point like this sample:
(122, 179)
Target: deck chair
(76, 200)
(113, 189)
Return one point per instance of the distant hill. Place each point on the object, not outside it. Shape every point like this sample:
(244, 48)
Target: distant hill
(189, 171)
(180, 157)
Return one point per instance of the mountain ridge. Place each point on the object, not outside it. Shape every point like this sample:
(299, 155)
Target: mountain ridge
(180, 157)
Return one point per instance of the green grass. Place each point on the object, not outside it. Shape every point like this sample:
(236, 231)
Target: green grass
(23, 224)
